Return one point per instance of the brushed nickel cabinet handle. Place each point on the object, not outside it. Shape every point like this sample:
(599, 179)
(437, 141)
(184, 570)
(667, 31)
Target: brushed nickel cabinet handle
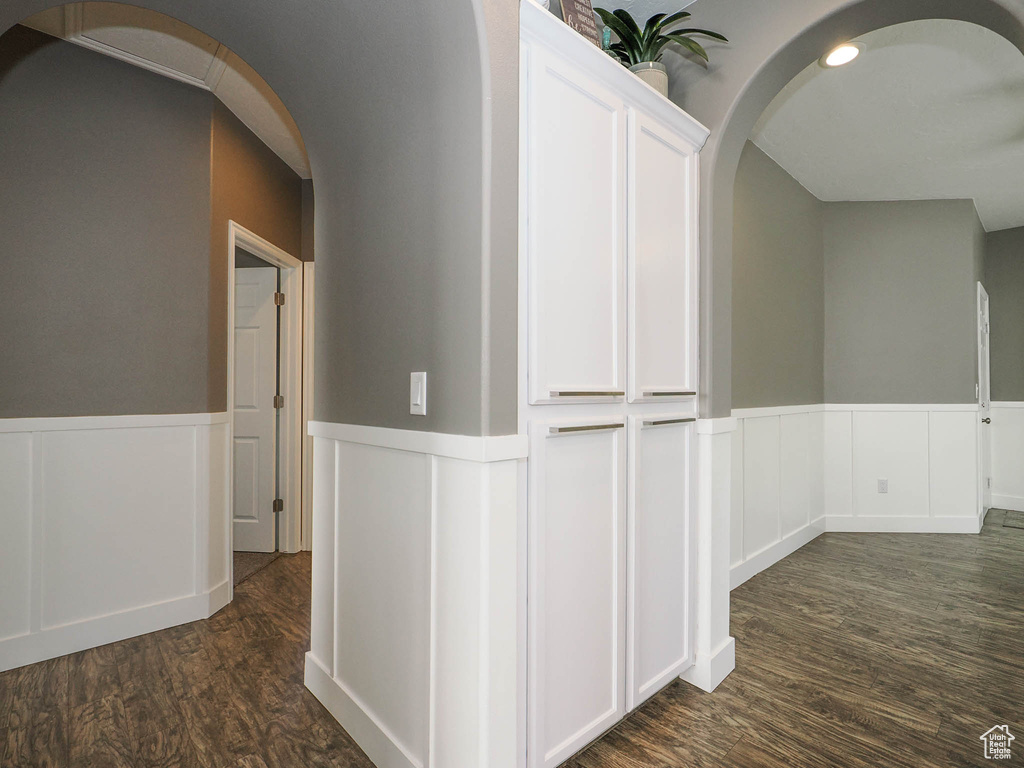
(665, 422)
(586, 428)
(652, 393)
(580, 393)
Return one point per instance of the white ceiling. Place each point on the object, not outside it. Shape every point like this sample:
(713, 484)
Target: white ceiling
(931, 110)
(167, 46)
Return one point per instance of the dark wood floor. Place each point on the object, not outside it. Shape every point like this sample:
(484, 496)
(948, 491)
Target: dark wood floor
(860, 650)
(225, 692)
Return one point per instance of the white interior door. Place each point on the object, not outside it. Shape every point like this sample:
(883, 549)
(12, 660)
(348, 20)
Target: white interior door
(984, 401)
(255, 417)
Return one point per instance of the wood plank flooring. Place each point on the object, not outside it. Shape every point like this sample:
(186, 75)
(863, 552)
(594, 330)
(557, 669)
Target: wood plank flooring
(858, 651)
(222, 693)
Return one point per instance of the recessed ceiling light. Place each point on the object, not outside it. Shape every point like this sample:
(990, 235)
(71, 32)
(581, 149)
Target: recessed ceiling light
(841, 54)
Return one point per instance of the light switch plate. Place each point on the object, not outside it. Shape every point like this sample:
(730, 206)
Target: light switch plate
(418, 393)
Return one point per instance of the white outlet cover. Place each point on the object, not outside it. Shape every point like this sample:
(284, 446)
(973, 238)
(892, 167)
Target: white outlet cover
(418, 393)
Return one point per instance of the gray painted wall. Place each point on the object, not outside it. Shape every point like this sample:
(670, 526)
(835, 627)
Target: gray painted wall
(116, 182)
(105, 223)
(900, 301)
(778, 293)
(414, 159)
(859, 302)
(1004, 281)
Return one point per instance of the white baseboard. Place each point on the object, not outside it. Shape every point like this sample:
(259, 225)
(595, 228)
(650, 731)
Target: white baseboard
(902, 524)
(59, 641)
(708, 671)
(1012, 503)
(766, 558)
(373, 738)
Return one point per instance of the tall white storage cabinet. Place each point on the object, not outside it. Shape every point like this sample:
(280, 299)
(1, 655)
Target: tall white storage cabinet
(608, 385)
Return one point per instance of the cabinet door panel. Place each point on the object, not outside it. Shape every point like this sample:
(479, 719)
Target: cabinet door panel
(577, 589)
(660, 554)
(663, 262)
(575, 177)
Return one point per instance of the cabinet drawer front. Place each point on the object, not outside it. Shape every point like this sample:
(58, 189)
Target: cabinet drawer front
(575, 191)
(577, 587)
(660, 559)
(663, 262)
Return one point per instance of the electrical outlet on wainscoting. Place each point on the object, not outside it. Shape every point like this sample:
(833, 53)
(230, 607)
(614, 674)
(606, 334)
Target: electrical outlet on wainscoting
(883, 486)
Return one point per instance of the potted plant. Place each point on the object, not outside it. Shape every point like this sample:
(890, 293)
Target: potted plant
(641, 49)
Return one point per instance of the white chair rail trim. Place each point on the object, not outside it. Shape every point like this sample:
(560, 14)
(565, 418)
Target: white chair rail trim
(75, 423)
(482, 449)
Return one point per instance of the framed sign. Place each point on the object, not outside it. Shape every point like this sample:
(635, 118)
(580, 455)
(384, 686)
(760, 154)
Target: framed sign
(579, 14)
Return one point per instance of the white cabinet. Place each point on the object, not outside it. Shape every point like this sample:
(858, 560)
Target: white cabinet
(660, 562)
(576, 210)
(608, 330)
(577, 585)
(663, 258)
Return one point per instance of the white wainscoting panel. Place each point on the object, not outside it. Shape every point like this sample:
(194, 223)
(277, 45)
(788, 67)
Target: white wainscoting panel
(736, 497)
(952, 462)
(838, 472)
(816, 466)
(382, 637)
(16, 524)
(1007, 471)
(415, 593)
(761, 483)
(781, 479)
(891, 447)
(801, 470)
(795, 473)
(111, 527)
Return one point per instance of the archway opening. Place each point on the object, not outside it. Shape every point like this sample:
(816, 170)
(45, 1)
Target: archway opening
(876, 224)
(411, 237)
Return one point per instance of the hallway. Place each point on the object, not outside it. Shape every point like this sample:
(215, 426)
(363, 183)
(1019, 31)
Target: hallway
(896, 650)
(220, 693)
(858, 650)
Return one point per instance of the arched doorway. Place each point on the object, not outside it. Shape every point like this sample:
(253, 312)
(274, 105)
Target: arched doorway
(779, 44)
(414, 181)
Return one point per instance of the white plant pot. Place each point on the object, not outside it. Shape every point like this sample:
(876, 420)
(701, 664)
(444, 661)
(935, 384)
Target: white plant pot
(654, 74)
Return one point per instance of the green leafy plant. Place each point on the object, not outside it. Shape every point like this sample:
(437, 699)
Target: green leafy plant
(636, 45)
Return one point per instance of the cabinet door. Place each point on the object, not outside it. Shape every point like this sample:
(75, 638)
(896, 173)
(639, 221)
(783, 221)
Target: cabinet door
(574, 181)
(660, 558)
(576, 613)
(663, 262)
